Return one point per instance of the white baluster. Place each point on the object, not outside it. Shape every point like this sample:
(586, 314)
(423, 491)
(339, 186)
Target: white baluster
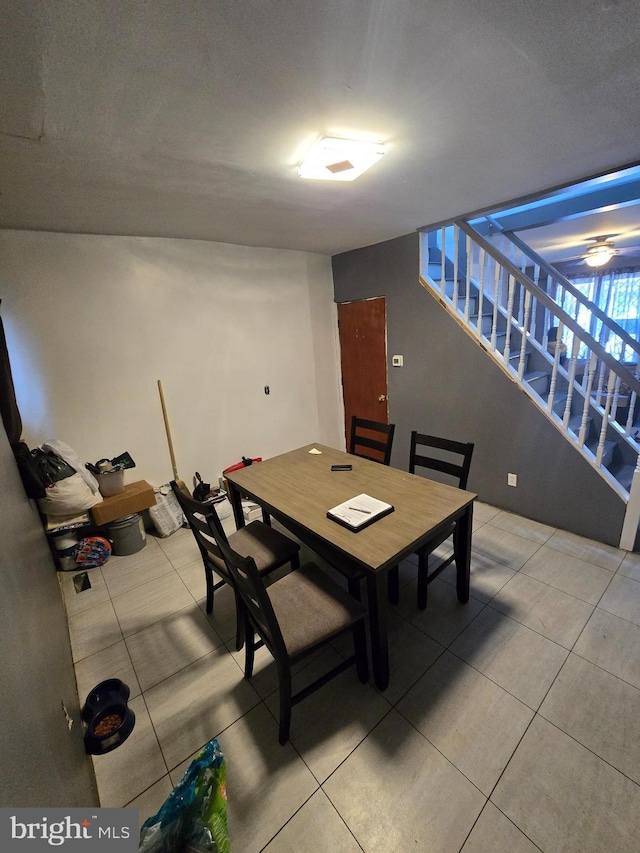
(521, 293)
(572, 377)
(614, 403)
(534, 307)
(554, 370)
(605, 417)
(456, 242)
(468, 280)
(523, 345)
(587, 398)
(494, 322)
(632, 404)
(546, 315)
(631, 413)
(442, 260)
(481, 290)
(511, 295)
(600, 388)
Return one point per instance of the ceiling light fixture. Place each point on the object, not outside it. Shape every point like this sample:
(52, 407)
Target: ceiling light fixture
(332, 159)
(600, 253)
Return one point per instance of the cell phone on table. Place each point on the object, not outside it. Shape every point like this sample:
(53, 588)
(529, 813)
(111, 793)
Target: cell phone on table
(341, 467)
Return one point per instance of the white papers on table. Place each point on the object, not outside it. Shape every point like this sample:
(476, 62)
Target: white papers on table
(360, 511)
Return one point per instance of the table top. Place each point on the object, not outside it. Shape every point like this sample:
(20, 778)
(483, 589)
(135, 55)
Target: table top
(301, 486)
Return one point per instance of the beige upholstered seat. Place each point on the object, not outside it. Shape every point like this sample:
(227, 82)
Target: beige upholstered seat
(300, 613)
(269, 548)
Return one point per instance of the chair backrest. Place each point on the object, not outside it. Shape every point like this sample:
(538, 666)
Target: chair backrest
(250, 586)
(362, 441)
(459, 469)
(203, 521)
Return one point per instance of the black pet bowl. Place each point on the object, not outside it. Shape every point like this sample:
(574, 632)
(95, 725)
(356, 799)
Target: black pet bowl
(109, 720)
(109, 692)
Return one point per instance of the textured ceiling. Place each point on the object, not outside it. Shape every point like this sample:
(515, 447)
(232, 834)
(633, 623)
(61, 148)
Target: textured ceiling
(187, 118)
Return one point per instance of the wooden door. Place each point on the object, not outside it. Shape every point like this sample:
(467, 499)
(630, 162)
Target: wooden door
(362, 328)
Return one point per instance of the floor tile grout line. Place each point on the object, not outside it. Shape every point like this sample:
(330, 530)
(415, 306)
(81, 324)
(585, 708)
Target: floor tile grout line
(333, 806)
(538, 714)
(473, 826)
(448, 647)
(440, 752)
(507, 691)
(602, 668)
(603, 544)
(546, 583)
(566, 648)
(588, 748)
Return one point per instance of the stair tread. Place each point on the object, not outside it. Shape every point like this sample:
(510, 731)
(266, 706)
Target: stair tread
(575, 422)
(624, 475)
(536, 374)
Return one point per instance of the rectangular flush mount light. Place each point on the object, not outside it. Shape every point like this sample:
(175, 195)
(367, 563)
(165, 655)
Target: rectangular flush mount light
(339, 159)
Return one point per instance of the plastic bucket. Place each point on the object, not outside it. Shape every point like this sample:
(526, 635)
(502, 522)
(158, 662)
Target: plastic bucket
(65, 543)
(127, 535)
(110, 483)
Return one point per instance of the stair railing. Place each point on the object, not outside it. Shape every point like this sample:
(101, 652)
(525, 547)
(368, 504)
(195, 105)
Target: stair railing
(522, 310)
(565, 286)
(556, 282)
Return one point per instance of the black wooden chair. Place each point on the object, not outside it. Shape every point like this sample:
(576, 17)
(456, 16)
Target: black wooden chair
(376, 447)
(293, 617)
(452, 458)
(269, 548)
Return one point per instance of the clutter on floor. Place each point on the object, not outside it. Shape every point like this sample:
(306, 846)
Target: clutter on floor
(109, 720)
(194, 815)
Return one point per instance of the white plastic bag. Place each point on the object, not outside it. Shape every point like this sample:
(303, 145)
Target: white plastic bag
(71, 458)
(68, 496)
(166, 515)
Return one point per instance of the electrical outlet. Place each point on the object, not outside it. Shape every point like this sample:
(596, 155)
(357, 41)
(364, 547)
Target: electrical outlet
(512, 479)
(397, 360)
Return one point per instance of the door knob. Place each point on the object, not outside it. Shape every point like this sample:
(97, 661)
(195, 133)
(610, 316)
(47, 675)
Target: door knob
(382, 398)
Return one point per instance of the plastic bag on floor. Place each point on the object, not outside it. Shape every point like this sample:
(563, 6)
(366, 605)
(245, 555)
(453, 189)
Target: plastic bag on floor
(193, 818)
(166, 515)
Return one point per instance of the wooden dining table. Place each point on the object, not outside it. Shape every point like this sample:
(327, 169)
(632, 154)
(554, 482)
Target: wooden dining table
(298, 488)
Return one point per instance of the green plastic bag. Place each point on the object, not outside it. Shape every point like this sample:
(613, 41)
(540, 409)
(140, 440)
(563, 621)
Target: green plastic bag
(193, 818)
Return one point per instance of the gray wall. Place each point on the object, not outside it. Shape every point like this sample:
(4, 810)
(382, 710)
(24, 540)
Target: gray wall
(449, 386)
(43, 763)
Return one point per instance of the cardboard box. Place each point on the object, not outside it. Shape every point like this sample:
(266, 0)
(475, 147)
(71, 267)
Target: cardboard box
(134, 498)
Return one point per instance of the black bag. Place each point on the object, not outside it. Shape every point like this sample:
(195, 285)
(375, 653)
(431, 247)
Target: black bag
(51, 468)
(202, 490)
(29, 471)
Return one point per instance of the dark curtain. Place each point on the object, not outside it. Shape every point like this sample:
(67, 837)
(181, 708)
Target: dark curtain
(8, 404)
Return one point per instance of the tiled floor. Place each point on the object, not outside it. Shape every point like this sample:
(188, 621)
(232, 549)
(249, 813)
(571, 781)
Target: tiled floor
(511, 723)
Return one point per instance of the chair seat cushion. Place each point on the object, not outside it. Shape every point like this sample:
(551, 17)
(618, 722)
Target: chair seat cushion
(268, 547)
(328, 608)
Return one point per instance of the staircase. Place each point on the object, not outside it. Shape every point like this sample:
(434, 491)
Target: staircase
(524, 314)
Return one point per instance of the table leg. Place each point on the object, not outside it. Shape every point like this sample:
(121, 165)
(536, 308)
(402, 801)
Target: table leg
(462, 551)
(376, 594)
(235, 498)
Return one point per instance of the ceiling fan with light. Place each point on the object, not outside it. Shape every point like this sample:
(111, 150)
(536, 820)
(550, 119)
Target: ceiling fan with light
(601, 250)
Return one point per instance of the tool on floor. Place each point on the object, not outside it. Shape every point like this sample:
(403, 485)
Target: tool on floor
(180, 483)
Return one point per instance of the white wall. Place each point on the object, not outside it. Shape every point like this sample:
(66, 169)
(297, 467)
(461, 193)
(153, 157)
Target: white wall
(92, 322)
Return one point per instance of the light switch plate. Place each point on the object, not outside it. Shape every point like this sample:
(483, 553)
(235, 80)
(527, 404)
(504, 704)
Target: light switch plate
(397, 360)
